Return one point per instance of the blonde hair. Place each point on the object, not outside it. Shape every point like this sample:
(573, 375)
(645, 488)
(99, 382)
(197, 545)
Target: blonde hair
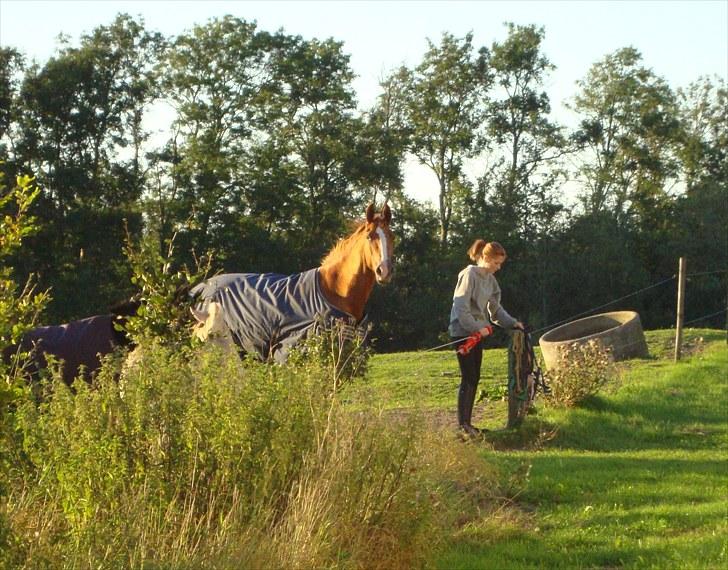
(482, 248)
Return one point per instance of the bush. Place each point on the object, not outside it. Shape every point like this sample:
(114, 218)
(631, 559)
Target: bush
(582, 370)
(191, 459)
(164, 301)
(19, 310)
(339, 351)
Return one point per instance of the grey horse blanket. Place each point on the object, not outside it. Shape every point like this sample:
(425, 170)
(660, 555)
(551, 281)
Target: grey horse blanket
(268, 313)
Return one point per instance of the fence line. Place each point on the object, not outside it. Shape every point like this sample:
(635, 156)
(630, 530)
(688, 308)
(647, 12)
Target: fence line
(704, 317)
(611, 303)
(706, 272)
(605, 305)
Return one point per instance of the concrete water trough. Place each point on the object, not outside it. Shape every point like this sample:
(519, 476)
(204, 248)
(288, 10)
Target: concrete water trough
(619, 331)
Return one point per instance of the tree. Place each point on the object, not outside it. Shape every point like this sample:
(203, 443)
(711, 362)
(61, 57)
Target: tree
(524, 144)
(268, 158)
(516, 201)
(629, 132)
(11, 63)
(133, 55)
(79, 114)
(323, 146)
(83, 108)
(212, 76)
(703, 107)
(387, 122)
(444, 108)
(700, 221)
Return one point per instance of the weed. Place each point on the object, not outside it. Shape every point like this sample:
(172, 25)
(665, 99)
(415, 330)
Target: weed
(582, 370)
(19, 311)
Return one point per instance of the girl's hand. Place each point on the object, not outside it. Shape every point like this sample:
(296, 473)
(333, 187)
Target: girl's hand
(486, 331)
(518, 325)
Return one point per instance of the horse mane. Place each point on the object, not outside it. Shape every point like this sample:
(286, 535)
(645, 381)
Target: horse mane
(341, 248)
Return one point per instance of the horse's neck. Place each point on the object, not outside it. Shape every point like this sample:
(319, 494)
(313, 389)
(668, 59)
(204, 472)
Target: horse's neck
(347, 282)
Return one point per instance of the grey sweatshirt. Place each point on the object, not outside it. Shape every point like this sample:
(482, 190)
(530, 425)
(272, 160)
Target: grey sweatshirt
(476, 303)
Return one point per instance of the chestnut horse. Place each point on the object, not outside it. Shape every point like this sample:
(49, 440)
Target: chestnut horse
(267, 314)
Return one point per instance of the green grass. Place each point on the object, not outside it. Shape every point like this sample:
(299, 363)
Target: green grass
(182, 465)
(423, 379)
(637, 477)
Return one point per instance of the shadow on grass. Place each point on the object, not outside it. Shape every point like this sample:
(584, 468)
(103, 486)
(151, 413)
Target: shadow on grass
(676, 411)
(598, 550)
(631, 479)
(626, 481)
(599, 510)
(533, 434)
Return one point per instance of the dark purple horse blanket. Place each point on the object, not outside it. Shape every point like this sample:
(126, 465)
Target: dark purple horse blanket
(78, 344)
(268, 313)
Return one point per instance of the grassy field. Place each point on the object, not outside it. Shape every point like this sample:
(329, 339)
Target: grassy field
(190, 460)
(635, 478)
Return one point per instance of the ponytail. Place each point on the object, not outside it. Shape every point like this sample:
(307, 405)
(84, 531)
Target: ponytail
(489, 249)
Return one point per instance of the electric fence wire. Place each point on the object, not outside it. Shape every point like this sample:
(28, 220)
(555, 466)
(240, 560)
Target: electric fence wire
(705, 317)
(610, 303)
(706, 272)
(605, 305)
(573, 316)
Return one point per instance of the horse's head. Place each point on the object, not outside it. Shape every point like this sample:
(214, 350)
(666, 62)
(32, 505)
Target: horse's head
(381, 243)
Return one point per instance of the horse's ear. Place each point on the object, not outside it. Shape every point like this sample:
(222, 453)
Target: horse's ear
(386, 213)
(370, 213)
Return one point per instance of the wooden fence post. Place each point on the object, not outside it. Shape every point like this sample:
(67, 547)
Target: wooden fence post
(680, 308)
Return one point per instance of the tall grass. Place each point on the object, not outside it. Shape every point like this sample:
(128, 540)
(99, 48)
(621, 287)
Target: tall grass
(190, 459)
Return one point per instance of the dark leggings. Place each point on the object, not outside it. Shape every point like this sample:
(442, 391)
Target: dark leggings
(469, 378)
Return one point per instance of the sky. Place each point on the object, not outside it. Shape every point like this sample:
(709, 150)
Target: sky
(680, 40)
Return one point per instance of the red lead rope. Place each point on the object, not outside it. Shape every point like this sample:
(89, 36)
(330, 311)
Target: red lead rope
(473, 340)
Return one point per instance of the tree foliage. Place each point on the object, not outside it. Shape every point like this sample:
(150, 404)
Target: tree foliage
(526, 143)
(266, 158)
(444, 107)
(19, 309)
(80, 131)
(630, 127)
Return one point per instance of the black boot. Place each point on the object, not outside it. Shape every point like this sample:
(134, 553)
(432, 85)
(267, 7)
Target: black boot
(470, 431)
(466, 400)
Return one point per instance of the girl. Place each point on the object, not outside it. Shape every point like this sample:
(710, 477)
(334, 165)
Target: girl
(475, 305)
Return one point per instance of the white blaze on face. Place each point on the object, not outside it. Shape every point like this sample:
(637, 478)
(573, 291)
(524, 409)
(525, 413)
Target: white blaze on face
(383, 245)
(385, 264)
